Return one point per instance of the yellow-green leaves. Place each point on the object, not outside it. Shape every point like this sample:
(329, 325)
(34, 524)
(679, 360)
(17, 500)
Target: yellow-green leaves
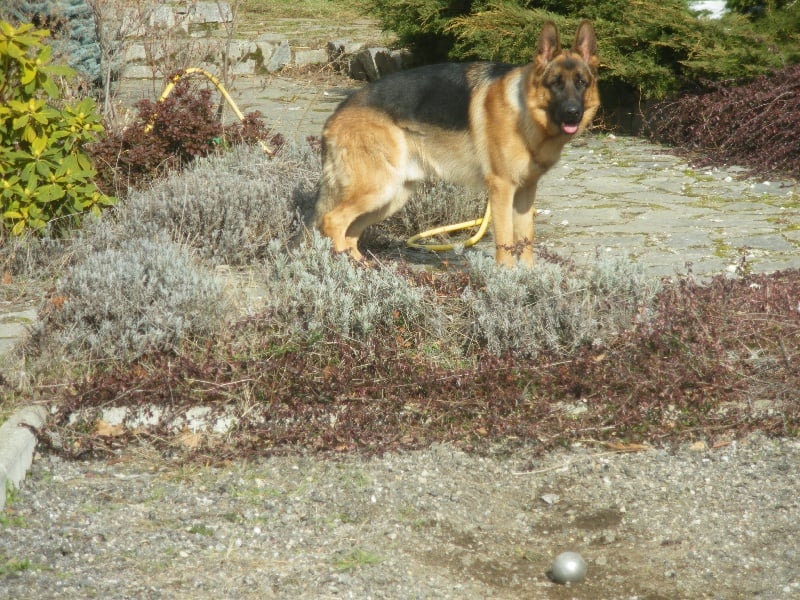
(45, 177)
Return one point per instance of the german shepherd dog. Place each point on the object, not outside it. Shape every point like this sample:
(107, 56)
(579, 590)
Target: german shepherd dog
(496, 125)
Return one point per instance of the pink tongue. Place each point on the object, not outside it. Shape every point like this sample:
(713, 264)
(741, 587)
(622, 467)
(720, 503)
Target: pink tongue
(570, 129)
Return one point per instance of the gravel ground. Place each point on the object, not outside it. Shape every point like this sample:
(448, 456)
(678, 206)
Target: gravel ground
(687, 523)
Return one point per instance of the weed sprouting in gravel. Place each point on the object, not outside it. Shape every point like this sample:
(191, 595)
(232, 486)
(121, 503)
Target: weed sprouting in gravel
(10, 567)
(356, 559)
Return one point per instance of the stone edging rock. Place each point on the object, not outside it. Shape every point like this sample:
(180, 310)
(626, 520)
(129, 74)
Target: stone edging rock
(17, 443)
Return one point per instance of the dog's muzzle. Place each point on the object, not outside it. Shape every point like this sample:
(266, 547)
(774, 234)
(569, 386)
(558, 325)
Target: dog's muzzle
(570, 118)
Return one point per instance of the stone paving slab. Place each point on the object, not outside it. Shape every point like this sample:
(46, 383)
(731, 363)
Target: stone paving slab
(626, 197)
(13, 326)
(17, 443)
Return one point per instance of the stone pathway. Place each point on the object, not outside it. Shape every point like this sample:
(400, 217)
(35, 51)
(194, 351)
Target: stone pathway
(626, 197)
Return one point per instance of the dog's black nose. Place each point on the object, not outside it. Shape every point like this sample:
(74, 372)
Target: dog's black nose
(571, 114)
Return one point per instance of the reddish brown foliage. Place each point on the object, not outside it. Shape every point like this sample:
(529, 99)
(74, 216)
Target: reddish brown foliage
(708, 357)
(754, 126)
(184, 127)
(713, 362)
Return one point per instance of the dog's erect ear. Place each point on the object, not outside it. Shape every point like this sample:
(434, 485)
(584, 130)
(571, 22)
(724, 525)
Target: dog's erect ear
(586, 44)
(549, 46)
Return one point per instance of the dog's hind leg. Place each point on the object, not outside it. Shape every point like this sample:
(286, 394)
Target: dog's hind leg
(363, 175)
(357, 211)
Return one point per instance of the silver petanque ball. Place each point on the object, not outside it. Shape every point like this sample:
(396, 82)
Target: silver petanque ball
(568, 567)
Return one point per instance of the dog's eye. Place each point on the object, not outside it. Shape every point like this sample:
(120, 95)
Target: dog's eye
(580, 83)
(557, 82)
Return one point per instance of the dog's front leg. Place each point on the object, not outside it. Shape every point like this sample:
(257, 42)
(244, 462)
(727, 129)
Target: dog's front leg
(501, 199)
(523, 218)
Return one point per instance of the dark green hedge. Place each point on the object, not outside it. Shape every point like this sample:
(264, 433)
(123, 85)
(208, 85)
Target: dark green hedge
(656, 47)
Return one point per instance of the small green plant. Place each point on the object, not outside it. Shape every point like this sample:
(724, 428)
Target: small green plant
(8, 518)
(13, 566)
(12, 493)
(45, 175)
(355, 559)
(201, 529)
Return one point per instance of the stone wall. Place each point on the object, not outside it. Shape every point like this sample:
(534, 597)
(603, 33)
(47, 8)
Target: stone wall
(194, 35)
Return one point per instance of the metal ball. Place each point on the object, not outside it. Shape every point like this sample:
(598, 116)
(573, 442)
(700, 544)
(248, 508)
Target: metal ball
(568, 567)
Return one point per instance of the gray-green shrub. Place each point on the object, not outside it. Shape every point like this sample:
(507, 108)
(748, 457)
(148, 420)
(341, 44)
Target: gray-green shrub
(551, 308)
(123, 302)
(311, 291)
(434, 205)
(227, 207)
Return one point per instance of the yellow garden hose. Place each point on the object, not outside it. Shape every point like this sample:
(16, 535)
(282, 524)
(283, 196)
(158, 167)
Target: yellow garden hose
(218, 84)
(483, 222)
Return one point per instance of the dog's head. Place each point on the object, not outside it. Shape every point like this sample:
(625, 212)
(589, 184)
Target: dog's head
(563, 83)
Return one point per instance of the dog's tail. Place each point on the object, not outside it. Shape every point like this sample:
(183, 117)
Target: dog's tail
(326, 191)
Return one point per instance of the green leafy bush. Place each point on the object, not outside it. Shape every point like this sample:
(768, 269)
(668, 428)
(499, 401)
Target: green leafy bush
(47, 178)
(655, 47)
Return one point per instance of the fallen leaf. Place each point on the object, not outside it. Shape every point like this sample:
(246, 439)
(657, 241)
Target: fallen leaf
(620, 447)
(58, 302)
(107, 430)
(190, 440)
